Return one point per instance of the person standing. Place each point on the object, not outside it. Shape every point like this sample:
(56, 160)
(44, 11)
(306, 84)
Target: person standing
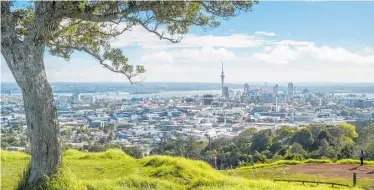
(362, 157)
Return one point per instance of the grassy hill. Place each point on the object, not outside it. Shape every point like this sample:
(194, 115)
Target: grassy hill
(114, 169)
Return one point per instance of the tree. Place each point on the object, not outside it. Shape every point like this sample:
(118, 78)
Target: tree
(347, 151)
(298, 149)
(369, 151)
(96, 147)
(349, 130)
(261, 141)
(303, 137)
(64, 27)
(244, 137)
(133, 151)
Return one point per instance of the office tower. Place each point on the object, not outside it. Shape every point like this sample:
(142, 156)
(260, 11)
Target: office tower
(225, 91)
(208, 99)
(246, 89)
(290, 89)
(275, 90)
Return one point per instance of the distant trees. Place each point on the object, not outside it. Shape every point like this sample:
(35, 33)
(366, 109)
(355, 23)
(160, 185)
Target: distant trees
(96, 147)
(348, 130)
(133, 151)
(369, 150)
(251, 146)
(261, 141)
(304, 138)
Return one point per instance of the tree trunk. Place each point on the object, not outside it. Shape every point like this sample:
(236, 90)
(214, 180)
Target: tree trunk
(41, 115)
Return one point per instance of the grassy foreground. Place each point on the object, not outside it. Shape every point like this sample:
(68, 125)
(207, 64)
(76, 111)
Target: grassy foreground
(114, 169)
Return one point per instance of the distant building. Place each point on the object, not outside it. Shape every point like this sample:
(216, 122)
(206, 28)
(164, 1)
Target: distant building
(225, 90)
(290, 89)
(97, 124)
(275, 90)
(208, 99)
(246, 89)
(357, 103)
(76, 98)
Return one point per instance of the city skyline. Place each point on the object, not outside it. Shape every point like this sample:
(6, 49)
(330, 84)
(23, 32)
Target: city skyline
(320, 42)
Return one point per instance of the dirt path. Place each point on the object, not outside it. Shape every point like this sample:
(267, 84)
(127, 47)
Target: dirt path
(334, 170)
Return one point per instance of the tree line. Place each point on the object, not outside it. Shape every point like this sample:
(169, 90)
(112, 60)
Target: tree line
(343, 141)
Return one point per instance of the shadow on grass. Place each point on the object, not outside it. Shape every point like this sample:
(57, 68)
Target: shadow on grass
(23, 184)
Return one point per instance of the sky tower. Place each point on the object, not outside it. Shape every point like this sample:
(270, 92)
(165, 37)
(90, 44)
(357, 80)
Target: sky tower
(222, 80)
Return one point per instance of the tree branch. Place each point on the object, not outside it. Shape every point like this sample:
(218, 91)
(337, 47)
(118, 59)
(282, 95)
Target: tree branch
(8, 32)
(102, 60)
(46, 21)
(95, 18)
(154, 30)
(9, 41)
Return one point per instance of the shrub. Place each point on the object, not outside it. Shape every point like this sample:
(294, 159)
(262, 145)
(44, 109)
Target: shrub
(258, 157)
(277, 157)
(318, 161)
(298, 157)
(267, 154)
(294, 156)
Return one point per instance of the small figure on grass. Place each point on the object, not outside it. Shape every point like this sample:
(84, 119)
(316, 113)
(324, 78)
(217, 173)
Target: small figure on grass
(362, 157)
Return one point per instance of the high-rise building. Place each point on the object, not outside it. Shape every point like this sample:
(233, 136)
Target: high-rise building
(290, 89)
(76, 98)
(208, 99)
(222, 80)
(275, 90)
(246, 89)
(225, 91)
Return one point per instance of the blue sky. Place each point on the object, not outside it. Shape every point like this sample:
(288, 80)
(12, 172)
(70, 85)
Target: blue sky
(276, 42)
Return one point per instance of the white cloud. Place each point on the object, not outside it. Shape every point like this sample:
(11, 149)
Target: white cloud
(291, 43)
(368, 50)
(277, 54)
(259, 33)
(197, 58)
(229, 41)
(190, 56)
(287, 51)
(157, 57)
(207, 54)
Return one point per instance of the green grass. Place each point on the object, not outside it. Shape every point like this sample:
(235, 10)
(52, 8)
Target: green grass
(12, 166)
(288, 162)
(114, 169)
(351, 161)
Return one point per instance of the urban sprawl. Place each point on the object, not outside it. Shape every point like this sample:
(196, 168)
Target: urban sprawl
(86, 119)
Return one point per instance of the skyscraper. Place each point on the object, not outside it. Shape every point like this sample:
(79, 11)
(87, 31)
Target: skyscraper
(290, 89)
(246, 89)
(275, 90)
(225, 91)
(222, 80)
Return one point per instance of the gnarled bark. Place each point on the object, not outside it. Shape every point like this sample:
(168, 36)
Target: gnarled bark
(41, 116)
(25, 60)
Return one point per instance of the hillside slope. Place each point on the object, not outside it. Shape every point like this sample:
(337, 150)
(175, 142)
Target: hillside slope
(114, 169)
